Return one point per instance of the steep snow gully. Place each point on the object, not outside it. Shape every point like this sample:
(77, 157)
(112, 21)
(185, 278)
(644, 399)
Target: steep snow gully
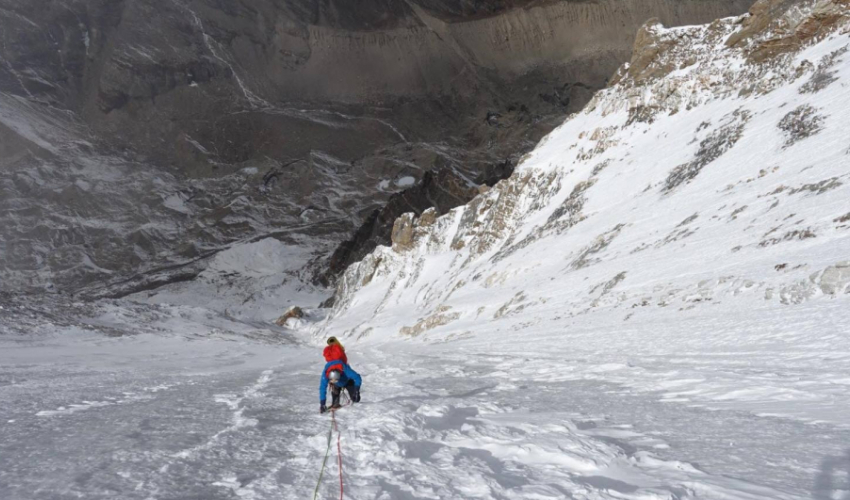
(656, 305)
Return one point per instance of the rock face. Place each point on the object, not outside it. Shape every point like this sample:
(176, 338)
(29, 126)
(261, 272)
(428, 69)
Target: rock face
(280, 79)
(789, 31)
(201, 94)
(438, 192)
(402, 237)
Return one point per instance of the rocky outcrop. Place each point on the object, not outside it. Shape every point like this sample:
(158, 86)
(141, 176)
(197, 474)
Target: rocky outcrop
(438, 192)
(402, 235)
(293, 312)
(441, 317)
(772, 28)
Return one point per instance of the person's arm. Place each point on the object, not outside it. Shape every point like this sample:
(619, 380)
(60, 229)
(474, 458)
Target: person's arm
(353, 375)
(323, 392)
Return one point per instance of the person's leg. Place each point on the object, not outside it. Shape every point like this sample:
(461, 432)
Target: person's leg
(335, 396)
(353, 391)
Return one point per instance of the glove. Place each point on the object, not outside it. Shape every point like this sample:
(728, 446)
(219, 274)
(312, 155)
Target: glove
(323, 408)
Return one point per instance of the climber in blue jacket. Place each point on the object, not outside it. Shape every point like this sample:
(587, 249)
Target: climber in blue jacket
(339, 375)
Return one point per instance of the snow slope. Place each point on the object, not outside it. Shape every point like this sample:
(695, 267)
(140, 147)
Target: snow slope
(654, 306)
(688, 232)
(177, 413)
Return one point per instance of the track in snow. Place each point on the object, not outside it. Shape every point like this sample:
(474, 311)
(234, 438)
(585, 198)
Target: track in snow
(225, 420)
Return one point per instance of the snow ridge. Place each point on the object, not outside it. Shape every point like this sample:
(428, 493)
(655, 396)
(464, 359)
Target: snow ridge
(708, 181)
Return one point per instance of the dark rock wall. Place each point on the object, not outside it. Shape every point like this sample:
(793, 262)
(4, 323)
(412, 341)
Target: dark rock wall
(368, 91)
(149, 72)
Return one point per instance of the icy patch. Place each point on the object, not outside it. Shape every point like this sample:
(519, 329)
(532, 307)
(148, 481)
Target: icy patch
(128, 397)
(197, 145)
(257, 281)
(263, 258)
(175, 202)
(73, 408)
(405, 182)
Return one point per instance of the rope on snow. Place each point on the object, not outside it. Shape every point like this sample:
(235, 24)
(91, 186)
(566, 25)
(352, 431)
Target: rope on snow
(339, 454)
(325, 461)
(333, 428)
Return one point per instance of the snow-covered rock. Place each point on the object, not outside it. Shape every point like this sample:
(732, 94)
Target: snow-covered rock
(717, 154)
(709, 181)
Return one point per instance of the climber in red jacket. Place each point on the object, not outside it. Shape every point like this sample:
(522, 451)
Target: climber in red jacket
(338, 375)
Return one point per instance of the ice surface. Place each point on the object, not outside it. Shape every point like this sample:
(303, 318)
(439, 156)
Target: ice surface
(406, 181)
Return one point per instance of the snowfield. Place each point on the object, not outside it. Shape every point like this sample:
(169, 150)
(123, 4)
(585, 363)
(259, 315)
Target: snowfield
(655, 306)
(250, 281)
(186, 416)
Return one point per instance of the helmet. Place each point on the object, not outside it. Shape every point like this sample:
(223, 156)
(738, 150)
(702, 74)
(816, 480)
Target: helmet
(332, 340)
(333, 376)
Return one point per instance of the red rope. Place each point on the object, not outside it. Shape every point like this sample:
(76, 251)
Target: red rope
(338, 445)
(339, 454)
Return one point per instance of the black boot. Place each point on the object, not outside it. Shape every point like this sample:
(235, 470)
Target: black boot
(335, 398)
(354, 393)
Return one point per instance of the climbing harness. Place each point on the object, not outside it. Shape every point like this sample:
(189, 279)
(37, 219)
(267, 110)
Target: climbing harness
(334, 428)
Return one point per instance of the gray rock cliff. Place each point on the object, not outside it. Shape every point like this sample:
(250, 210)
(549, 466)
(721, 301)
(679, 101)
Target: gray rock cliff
(216, 99)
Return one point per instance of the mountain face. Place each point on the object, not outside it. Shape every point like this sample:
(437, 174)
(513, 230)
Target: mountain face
(652, 305)
(142, 137)
(710, 176)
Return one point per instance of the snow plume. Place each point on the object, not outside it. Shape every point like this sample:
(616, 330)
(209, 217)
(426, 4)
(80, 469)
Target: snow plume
(699, 204)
